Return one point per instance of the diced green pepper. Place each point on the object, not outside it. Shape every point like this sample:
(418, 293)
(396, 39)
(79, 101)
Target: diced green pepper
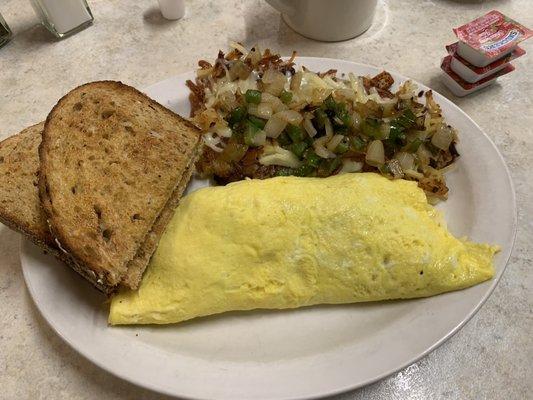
(284, 172)
(407, 119)
(260, 123)
(320, 118)
(334, 164)
(284, 139)
(413, 146)
(253, 96)
(295, 133)
(249, 133)
(298, 148)
(396, 133)
(327, 167)
(311, 158)
(285, 96)
(370, 127)
(330, 104)
(384, 169)
(237, 115)
(346, 118)
(357, 144)
(342, 148)
(304, 170)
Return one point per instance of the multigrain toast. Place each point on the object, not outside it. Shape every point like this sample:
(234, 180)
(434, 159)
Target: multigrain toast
(20, 208)
(113, 165)
(19, 195)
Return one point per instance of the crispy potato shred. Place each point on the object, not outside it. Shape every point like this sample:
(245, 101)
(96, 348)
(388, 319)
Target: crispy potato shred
(262, 116)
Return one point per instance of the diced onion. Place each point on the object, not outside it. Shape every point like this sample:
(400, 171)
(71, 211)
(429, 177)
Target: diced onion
(275, 102)
(350, 166)
(239, 47)
(268, 98)
(406, 160)
(384, 130)
(252, 108)
(442, 138)
(274, 126)
(388, 106)
(264, 110)
(423, 155)
(275, 88)
(259, 138)
(334, 142)
(375, 153)
(356, 118)
(270, 76)
(348, 94)
(224, 131)
(296, 81)
(212, 142)
(254, 56)
(330, 82)
(202, 73)
(227, 100)
(275, 155)
(309, 128)
(413, 174)
(290, 116)
(320, 148)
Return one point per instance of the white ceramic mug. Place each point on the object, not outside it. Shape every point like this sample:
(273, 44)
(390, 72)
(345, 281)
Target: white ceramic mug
(330, 20)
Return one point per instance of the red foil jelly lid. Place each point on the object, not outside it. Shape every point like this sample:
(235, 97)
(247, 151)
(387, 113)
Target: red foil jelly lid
(493, 33)
(518, 52)
(445, 66)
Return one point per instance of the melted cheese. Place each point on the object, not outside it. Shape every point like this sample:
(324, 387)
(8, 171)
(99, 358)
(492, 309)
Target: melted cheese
(289, 242)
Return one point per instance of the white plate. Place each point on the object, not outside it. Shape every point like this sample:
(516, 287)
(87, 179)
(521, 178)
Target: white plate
(304, 353)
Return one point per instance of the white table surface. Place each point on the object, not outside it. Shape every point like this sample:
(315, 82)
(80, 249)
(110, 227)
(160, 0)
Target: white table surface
(490, 358)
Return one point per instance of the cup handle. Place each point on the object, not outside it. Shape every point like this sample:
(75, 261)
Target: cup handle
(283, 7)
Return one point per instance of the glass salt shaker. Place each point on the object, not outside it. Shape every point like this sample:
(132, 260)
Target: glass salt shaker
(5, 32)
(63, 17)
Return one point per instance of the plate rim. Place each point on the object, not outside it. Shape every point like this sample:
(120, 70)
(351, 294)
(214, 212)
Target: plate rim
(494, 282)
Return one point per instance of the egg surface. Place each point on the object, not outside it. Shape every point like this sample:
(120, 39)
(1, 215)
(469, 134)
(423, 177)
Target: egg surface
(289, 242)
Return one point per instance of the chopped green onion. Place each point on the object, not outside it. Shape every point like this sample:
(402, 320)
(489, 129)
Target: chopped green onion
(260, 123)
(296, 133)
(253, 96)
(298, 148)
(285, 96)
(237, 115)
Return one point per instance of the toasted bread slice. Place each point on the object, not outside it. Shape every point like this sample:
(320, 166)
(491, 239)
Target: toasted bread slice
(19, 195)
(113, 163)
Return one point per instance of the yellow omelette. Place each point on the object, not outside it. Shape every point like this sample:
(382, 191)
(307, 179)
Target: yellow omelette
(289, 242)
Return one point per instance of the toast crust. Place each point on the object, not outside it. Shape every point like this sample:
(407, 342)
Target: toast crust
(19, 201)
(102, 278)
